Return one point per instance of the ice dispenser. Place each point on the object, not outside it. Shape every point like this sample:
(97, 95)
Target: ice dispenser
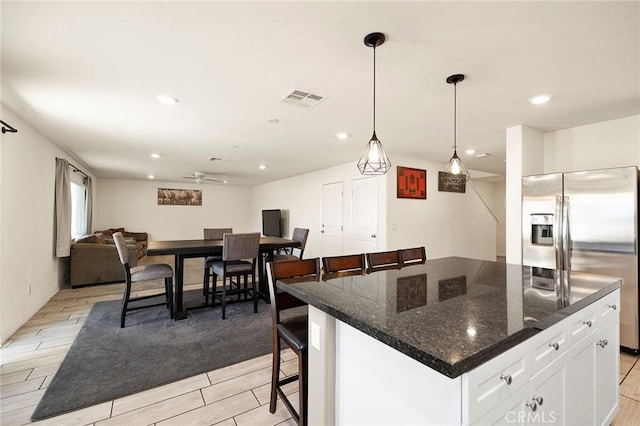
(542, 229)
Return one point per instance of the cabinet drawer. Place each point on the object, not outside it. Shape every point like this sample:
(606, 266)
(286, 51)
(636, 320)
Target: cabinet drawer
(609, 308)
(494, 381)
(546, 347)
(586, 322)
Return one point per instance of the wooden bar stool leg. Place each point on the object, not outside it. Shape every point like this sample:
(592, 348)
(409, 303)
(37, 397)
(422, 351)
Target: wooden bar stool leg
(303, 384)
(275, 374)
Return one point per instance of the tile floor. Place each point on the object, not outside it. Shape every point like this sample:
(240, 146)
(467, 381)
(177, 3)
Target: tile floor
(234, 395)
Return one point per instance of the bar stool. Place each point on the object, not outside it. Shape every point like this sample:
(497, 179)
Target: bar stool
(292, 331)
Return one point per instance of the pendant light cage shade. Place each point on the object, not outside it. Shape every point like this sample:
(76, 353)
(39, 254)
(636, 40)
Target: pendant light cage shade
(457, 172)
(374, 160)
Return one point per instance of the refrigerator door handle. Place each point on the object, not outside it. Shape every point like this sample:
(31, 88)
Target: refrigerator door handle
(566, 250)
(557, 238)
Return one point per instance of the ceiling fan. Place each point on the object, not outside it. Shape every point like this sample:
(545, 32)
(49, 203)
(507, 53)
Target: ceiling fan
(201, 177)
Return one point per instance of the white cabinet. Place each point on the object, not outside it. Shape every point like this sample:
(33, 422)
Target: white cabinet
(566, 374)
(607, 373)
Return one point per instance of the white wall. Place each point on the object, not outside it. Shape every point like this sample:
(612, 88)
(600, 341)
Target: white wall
(300, 198)
(446, 223)
(500, 210)
(133, 204)
(614, 143)
(27, 224)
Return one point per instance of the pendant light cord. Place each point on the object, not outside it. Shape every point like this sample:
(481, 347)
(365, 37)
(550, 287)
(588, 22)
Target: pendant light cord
(374, 88)
(455, 115)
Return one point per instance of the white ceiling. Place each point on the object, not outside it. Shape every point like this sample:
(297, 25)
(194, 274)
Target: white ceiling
(85, 74)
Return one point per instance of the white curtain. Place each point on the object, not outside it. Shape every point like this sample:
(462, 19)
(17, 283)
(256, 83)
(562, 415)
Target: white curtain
(63, 208)
(89, 188)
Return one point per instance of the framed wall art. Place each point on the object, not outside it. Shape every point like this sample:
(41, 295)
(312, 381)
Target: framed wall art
(447, 183)
(179, 197)
(412, 183)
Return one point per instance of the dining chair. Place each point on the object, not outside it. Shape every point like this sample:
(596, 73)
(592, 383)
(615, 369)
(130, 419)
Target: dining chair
(300, 235)
(382, 260)
(291, 330)
(211, 234)
(412, 256)
(239, 255)
(339, 266)
(139, 273)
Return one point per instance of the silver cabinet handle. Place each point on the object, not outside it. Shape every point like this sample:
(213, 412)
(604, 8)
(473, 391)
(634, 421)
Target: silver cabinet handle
(532, 405)
(587, 323)
(373, 235)
(614, 307)
(602, 343)
(538, 399)
(507, 378)
(555, 346)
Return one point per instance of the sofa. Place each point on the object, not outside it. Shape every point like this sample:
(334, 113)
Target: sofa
(94, 260)
(140, 238)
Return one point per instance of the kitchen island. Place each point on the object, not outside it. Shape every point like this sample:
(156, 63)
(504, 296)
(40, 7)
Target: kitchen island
(462, 341)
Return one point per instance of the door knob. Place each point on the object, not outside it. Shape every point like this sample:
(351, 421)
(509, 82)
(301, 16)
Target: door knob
(373, 235)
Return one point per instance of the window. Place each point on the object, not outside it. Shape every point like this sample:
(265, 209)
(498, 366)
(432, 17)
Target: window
(78, 208)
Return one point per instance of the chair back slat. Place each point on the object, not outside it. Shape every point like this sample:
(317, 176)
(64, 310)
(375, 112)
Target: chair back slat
(347, 263)
(379, 261)
(289, 271)
(121, 246)
(241, 246)
(412, 256)
(216, 233)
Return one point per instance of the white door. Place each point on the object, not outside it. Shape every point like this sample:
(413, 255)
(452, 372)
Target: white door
(365, 215)
(331, 231)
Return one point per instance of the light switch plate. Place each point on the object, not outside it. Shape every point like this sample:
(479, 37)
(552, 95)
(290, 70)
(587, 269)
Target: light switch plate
(315, 335)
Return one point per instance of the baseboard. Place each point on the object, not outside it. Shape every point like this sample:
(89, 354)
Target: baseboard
(26, 317)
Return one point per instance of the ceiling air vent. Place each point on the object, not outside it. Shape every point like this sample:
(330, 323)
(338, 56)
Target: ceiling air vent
(303, 99)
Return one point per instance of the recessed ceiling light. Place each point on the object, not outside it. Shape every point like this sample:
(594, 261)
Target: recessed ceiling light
(262, 167)
(540, 99)
(151, 177)
(470, 151)
(482, 155)
(167, 100)
(342, 136)
(154, 155)
(225, 181)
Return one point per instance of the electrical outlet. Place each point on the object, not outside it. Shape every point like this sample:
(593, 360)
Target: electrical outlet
(29, 289)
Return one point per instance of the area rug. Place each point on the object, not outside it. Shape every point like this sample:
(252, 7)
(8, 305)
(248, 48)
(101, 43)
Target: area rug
(106, 362)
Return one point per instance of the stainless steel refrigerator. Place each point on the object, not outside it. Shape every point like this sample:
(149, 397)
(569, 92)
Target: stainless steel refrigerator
(586, 221)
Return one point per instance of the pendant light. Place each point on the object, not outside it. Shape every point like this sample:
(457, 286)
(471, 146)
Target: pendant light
(458, 173)
(374, 160)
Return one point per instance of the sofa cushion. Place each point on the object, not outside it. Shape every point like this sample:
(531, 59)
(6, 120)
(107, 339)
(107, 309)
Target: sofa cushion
(91, 238)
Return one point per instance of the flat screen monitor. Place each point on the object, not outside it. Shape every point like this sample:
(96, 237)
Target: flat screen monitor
(271, 223)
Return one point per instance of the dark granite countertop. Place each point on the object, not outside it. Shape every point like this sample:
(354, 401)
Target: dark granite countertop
(453, 314)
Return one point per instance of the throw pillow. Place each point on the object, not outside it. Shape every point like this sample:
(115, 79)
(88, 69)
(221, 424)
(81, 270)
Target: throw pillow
(112, 231)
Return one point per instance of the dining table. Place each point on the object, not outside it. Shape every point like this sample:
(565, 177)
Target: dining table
(183, 249)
